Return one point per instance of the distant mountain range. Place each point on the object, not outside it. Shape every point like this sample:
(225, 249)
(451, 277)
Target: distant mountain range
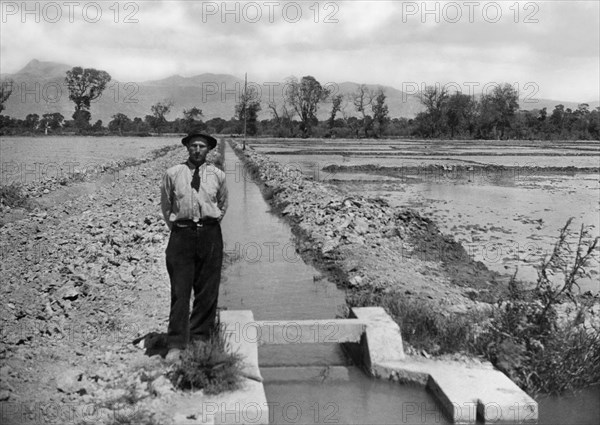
(39, 88)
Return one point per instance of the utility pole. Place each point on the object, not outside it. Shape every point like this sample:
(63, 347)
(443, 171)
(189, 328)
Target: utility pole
(245, 100)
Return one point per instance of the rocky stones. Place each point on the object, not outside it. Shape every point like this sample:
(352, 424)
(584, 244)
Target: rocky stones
(361, 225)
(355, 281)
(330, 245)
(161, 386)
(68, 381)
(68, 292)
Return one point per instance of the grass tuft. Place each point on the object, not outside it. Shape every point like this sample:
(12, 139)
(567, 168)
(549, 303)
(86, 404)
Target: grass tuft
(13, 195)
(425, 325)
(208, 366)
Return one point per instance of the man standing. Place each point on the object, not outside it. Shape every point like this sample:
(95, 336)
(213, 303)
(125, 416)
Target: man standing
(193, 201)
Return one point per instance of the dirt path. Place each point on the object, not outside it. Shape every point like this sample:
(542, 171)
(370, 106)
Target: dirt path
(81, 279)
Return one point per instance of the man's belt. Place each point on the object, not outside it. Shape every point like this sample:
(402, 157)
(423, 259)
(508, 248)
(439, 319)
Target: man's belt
(191, 224)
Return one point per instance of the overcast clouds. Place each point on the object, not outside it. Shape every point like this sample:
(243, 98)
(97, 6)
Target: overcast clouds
(554, 45)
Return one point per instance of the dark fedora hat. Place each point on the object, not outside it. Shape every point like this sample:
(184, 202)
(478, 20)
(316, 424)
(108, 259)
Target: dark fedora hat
(212, 142)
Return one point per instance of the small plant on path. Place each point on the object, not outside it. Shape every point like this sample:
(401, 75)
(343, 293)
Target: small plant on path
(208, 366)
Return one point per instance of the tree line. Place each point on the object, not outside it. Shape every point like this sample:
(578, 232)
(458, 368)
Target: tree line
(360, 114)
(496, 115)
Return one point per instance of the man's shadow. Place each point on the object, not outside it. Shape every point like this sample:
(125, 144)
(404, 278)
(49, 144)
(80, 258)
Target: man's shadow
(153, 343)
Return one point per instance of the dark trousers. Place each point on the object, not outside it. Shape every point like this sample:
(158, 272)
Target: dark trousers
(194, 259)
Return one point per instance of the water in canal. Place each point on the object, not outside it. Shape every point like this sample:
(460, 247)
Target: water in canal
(315, 383)
(310, 383)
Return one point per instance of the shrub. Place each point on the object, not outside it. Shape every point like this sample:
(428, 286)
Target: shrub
(12, 195)
(208, 366)
(424, 325)
(540, 338)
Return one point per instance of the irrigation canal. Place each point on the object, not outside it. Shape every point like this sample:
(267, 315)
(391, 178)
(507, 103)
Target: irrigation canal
(315, 383)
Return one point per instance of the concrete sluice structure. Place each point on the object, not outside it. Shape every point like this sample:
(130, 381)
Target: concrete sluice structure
(466, 394)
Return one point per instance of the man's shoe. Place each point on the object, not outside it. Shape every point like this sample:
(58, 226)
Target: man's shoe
(173, 356)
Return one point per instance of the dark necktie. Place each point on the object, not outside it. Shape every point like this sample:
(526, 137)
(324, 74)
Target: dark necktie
(196, 179)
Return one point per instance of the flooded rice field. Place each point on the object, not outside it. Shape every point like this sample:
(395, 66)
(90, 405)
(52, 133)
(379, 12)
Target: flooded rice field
(504, 201)
(519, 163)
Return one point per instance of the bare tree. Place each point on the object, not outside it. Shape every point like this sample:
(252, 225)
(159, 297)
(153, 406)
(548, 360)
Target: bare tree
(380, 111)
(435, 100)
(351, 122)
(283, 116)
(362, 98)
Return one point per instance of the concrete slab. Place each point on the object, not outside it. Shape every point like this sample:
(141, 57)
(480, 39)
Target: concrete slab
(490, 393)
(234, 321)
(382, 341)
(278, 332)
(466, 392)
(417, 369)
(316, 374)
(248, 405)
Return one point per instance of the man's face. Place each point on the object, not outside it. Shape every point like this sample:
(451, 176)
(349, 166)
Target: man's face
(198, 149)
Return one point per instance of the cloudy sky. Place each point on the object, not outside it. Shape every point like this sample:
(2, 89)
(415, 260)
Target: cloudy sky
(548, 49)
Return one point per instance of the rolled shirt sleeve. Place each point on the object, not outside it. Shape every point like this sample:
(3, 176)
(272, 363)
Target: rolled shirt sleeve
(223, 197)
(166, 192)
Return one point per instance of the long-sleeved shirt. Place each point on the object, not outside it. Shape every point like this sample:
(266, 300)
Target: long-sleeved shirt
(179, 201)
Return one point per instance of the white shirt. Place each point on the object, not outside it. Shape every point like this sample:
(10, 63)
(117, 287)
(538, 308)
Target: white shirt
(179, 201)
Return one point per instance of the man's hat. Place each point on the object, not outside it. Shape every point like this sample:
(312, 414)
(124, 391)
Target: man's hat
(211, 141)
